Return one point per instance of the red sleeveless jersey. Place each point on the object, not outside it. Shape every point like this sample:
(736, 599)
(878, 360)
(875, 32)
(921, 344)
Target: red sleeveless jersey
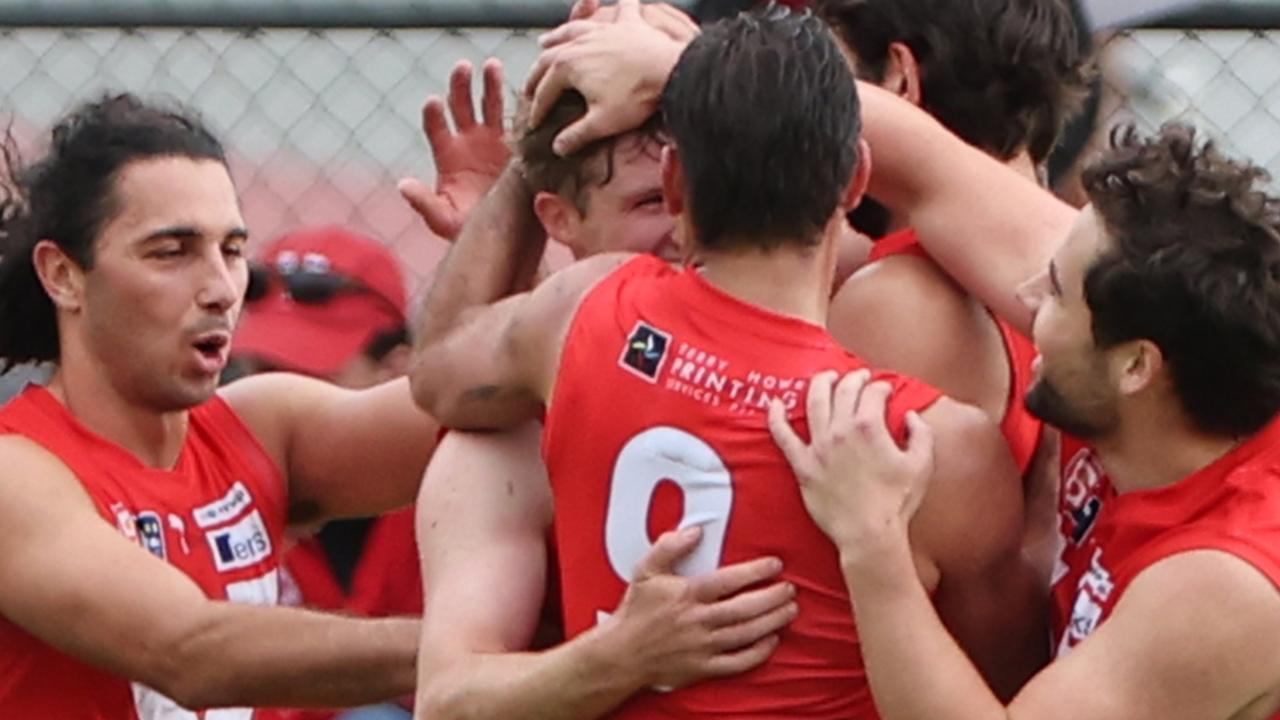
(217, 515)
(1108, 539)
(1021, 429)
(658, 420)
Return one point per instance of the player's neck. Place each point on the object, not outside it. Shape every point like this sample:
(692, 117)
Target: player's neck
(1154, 449)
(788, 281)
(155, 438)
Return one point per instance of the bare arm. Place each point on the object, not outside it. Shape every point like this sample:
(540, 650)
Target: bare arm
(988, 227)
(344, 453)
(970, 525)
(1181, 643)
(484, 557)
(70, 579)
(494, 366)
(483, 548)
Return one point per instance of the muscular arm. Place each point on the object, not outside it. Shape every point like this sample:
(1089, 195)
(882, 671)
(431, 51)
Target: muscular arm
(495, 367)
(483, 547)
(344, 453)
(1182, 644)
(498, 250)
(70, 579)
(988, 227)
(970, 526)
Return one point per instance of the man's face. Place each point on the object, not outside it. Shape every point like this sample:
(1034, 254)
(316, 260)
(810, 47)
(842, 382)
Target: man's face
(1072, 388)
(626, 214)
(167, 283)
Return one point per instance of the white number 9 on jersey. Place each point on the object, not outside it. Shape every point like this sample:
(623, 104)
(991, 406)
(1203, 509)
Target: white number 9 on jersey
(667, 453)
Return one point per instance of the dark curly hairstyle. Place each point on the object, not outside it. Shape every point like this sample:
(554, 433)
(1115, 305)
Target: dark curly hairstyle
(1002, 74)
(68, 196)
(590, 166)
(1193, 265)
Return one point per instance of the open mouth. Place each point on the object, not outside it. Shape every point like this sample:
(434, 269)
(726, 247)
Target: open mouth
(211, 346)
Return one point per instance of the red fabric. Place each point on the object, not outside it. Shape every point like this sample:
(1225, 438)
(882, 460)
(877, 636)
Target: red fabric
(1108, 539)
(1020, 428)
(308, 580)
(663, 386)
(218, 516)
(388, 580)
(319, 339)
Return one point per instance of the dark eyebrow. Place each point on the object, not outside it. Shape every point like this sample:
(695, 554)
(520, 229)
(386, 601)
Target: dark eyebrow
(1053, 278)
(187, 231)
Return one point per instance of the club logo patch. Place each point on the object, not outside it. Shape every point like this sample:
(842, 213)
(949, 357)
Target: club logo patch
(645, 351)
(151, 534)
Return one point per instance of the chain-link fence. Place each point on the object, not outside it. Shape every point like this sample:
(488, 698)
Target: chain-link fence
(322, 117)
(1224, 81)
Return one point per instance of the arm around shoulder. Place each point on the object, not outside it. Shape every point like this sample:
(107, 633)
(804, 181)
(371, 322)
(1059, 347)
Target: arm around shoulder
(495, 369)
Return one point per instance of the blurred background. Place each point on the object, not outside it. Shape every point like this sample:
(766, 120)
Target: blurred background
(319, 101)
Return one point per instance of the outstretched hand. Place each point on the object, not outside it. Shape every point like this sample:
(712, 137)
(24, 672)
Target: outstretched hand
(468, 158)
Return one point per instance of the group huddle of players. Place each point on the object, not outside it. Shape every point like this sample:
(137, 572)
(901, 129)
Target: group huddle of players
(1002, 458)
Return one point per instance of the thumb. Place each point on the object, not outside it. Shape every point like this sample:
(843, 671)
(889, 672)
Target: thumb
(434, 210)
(919, 442)
(591, 127)
(671, 548)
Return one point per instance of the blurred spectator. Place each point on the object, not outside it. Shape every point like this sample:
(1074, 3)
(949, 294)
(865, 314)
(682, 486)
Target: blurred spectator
(329, 303)
(326, 303)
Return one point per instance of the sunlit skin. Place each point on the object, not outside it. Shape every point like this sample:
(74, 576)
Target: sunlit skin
(146, 331)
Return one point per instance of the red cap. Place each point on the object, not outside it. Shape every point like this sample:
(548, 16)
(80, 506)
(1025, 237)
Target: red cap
(319, 339)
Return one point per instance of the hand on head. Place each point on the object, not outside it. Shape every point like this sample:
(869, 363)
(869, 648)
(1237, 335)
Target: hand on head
(618, 57)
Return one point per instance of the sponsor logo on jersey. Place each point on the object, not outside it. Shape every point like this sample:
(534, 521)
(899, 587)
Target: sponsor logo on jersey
(645, 351)
(240, 545)
(1092, 594)
(126, 521)
(1082, 487)
(236, 501)
(151, 534)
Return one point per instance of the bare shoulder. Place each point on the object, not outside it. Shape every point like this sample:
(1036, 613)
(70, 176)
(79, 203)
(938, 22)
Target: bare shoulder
(270, 403)
(538, 329)
(973, 510)
(26, 461)
(953, 343)
(1192, 637)
(566, 287)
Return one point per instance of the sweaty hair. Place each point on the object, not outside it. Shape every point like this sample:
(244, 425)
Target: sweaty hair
(765, 117)
(68, 196)
(1193, 265)
(1002, 74)
(570, 177)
